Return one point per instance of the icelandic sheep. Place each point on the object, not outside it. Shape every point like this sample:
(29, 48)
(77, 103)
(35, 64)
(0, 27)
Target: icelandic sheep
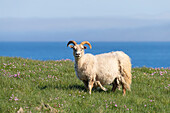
(98, 70)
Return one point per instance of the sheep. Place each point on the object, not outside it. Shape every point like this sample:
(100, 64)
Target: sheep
(102, 69)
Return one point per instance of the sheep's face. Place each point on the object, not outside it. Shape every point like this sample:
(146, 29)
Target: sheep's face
(78, 50)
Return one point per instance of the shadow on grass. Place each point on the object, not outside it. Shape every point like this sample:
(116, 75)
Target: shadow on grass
(70, 87)
(82, 88)
(74, 87)
(62, 87)
(42, 87)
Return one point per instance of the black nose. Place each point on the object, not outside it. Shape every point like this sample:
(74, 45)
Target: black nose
(77, 54)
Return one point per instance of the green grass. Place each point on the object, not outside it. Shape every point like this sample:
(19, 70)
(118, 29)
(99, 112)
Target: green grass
(52, 86)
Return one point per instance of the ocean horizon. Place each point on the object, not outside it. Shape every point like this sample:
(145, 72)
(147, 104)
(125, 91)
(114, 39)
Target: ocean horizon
(149, 54)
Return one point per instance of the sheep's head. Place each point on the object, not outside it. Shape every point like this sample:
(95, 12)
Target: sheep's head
(78, 49)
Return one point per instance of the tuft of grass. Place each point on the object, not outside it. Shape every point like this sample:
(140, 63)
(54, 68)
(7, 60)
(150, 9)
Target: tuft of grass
(52, 86)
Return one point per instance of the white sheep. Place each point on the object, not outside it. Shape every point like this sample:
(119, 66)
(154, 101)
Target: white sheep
(108, 68)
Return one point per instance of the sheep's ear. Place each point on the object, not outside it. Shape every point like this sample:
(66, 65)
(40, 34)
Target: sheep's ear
(71, 46)
(85, 47)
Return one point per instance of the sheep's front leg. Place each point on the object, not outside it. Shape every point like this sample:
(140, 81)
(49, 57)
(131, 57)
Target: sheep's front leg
(124, 91)
(99, 84)
(90, 85)
(85, 84)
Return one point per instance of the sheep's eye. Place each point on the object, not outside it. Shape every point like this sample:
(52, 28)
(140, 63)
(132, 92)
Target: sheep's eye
(75, 49)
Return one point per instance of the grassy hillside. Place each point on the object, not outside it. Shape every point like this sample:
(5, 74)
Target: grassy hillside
(52, 86)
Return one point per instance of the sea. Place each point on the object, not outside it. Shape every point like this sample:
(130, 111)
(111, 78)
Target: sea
(148, 54)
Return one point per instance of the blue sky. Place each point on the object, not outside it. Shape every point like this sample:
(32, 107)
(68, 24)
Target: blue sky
(82, 8)
(95, 20)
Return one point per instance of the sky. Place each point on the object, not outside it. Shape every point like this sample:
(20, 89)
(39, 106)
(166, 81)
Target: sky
(20, 18)
(82, 8)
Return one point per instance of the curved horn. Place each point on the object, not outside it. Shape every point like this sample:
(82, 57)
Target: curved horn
(73, 42)
(86, 42)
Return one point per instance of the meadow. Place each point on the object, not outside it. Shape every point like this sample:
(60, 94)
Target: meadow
(52, 86)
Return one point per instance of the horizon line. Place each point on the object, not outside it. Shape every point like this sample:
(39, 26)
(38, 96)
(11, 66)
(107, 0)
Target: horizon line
(81, 41)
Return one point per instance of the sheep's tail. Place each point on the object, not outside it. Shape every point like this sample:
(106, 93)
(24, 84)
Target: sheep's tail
(125, 70)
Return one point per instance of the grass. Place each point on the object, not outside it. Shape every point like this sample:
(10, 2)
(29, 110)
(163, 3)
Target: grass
(52, 86)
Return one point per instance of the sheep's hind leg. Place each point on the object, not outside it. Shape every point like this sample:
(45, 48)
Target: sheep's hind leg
(99, 84)
(115, 85)
(90, 85)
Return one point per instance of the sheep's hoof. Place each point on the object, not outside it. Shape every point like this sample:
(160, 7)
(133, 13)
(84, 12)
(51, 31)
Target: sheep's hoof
(104, 89)
(124, 91)
(119, 88)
